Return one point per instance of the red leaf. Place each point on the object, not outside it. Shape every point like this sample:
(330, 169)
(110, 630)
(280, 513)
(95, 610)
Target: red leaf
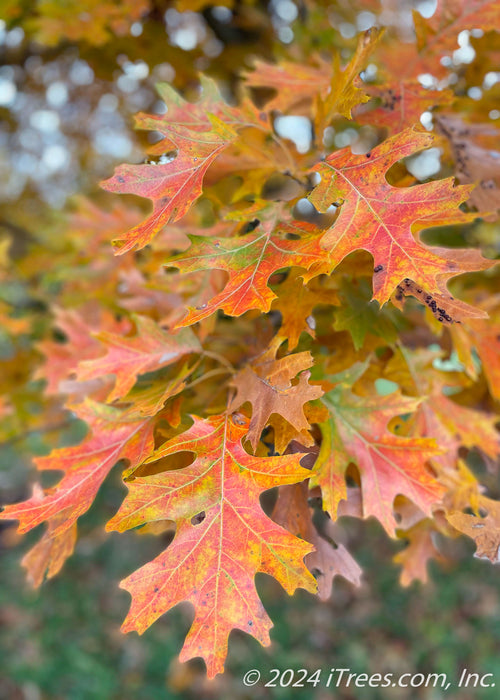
(172, 186)
(250, 260)
(85, 467)
(379, 218)
(127, 358)
(388, 465)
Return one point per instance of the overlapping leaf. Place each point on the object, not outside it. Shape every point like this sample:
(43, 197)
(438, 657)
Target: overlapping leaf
(173, 186)
(127, 358)
(293, 82)
(473, 162)
(379, 217)
(454, 425)
(399, 104)
(61, 359)
(437, 36)
(250, 260)
(196, 115)
(388, 465)
(222, 539)
(266, 384)
(85, 466)
(482, 336)
(194, 136)
(401, 450)
(439, 33)
(296, 301)
(333, 90)
(330, 558)
(46, 558)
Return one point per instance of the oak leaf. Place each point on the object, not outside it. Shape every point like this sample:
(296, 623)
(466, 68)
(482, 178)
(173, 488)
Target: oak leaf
(415, 557)
(332, 89)
(398, 104)
(439, 33)
(437, 36)
(173, 185)
(455, 426)
(127, 358)
(388, 465)
(284, 432)
(484, 530)
(330, 558)
(293, 82)
(149, 398)
(473, 162)
(223, 538)
(379, 218)
(196, 115)
(195, 134)
(46, 558)
(266, 384)
(250, 259)
(61, 358)
(114, 436)
(296, 301)
(438, 415)
(358, 315)
(346, 90)
(482, 335)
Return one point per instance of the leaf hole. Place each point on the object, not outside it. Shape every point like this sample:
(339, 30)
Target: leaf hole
(179, 460)
(198, 518)
(250, 226)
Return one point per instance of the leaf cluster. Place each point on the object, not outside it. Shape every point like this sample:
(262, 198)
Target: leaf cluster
(300, 309)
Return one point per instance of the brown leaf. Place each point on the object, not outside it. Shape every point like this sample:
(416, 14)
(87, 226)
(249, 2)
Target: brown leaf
(266, 384)
(329, 559)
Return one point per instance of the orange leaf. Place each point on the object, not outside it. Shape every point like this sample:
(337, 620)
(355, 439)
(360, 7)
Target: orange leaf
(485, 531)
(61, 359)
(439, 33)
(173, 186)
(400, 104)
(484, 336)
(250, 260)
(293, 82)
(327, 561)
(451, 423)
(334, 90)
(195, 135)
(415, 557)
(296, 302)
(48, 555)
(222, 540)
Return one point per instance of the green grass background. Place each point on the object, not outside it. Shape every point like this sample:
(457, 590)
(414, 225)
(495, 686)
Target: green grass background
(63, 642)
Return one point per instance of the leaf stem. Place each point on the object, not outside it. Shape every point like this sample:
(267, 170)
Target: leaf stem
(219, 358)
(208, 375)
